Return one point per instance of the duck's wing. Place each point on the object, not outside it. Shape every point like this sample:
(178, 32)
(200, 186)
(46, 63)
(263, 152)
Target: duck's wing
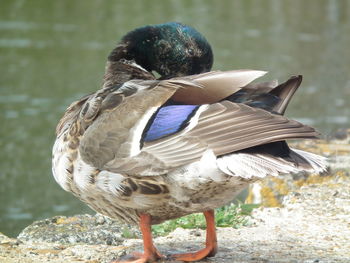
(216, 85)
(113, 119)
(223, 128)
(131, 130)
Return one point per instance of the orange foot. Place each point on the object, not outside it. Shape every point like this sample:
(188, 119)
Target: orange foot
(211, 242)
(143, 258)
(190, 257)
(151, 254)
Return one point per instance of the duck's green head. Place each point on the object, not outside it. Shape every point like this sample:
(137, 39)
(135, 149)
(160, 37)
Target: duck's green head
(170, 49)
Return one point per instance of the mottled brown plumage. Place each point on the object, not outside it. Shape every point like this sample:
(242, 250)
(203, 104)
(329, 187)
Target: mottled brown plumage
(97, 134)
(147, 150)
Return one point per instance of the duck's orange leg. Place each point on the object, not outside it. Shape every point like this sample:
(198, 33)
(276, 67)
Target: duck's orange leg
(150, 253)
(210, 244)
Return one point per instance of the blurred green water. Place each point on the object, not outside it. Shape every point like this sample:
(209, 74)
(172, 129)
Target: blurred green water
(52, 52)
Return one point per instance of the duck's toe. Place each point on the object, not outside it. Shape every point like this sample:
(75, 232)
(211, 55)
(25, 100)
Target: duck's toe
(208, 251)
(143, 258)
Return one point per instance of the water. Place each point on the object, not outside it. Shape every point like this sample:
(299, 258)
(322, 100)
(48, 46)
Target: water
(53, 52)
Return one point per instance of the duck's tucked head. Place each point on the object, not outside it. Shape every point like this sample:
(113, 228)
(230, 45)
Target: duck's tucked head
(170, 49)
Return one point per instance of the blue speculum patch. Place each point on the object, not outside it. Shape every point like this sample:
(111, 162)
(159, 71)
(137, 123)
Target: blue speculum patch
(169, 120)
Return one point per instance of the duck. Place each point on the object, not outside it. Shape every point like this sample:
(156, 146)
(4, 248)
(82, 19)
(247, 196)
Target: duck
(164, 136)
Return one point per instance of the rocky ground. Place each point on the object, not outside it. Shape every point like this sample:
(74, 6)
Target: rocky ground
(311, 224)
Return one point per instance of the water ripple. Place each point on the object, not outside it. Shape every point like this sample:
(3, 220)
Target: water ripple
(17, 25)
(26, 25)
(23, 43)
(13, 98)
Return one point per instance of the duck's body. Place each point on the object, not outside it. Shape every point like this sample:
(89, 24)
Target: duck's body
(185, 190)
(142, 149)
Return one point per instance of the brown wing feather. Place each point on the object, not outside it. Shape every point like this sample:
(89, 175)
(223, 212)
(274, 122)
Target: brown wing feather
(224, 128)
(216, 85)
(115, 116)
(112, 133)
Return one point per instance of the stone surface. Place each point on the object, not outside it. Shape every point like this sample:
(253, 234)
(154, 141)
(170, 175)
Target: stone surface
(79, 229)
(313, 226)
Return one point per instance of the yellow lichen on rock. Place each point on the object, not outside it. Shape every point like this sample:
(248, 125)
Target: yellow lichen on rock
(66, 220)
(270, 191)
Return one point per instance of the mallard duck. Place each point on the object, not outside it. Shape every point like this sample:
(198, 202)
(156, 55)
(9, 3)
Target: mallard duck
(144, 149)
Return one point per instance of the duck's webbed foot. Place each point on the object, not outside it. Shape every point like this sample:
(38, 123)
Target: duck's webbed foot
(211, 242)
(150, 253)
(143, 257)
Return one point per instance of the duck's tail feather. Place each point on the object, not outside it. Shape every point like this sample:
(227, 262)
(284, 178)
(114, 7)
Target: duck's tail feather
(268, 95)
(285, 92)
(260, 165)
(309, 162)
